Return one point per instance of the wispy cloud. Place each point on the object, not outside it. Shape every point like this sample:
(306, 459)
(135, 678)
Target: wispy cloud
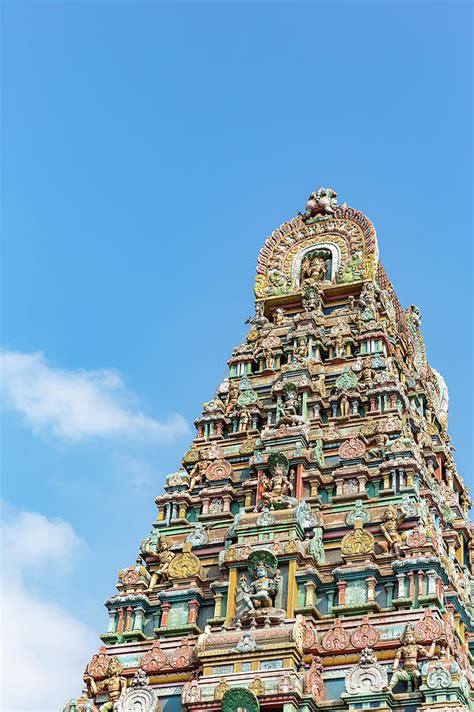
(74, 405)
(38, 636)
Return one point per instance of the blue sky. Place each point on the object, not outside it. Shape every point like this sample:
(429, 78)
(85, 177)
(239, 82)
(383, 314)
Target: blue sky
(148, 150)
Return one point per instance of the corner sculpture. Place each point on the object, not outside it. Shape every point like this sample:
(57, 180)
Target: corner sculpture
(313, 550)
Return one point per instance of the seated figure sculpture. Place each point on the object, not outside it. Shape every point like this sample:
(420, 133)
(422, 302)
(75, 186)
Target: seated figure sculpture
(278, 486)
(263, 588)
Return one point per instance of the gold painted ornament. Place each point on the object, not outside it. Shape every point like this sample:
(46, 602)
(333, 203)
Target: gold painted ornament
(184, 565)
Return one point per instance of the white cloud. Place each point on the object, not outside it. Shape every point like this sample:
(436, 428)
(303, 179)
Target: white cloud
(44, 648)
(77, 404)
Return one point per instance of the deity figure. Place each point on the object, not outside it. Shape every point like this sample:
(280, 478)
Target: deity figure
(278, 486)
(314, 268)
(407, 655)
(277, 283)
(311, 300)
(198, 472)
(114, 684)
(367, 298)
(321, 202)
(392, 518)
(221, 689)
(244, 420)
(353, 270)
(318, 453)
(301, 351)
(344, 405)
(191, 692)
(278, 316)
(232, 396)
(165, 557)
(339, 345)
(290, 405)
(320, 385)
(262, 590)
(378, 442)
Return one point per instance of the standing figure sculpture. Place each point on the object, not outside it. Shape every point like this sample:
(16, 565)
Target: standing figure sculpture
(198, 472)
(407, 655)
(165, 557)
(392, 518)
(114, 684)
(232, 396)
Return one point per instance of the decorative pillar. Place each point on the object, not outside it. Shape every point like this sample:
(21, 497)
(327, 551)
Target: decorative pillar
(128, 622)
(389, 592)
(421, 576)
(310, 597)
(165, 608)
(330, 601)
(292, 589)
(411, 577)
(431, 582)
(401, 585)
(193, 609)
(355, 407)
(218, 597)
(138, 623)
(371, 582)
(112, 621)
(231, 595)
(200, 431)
(120, 621)
(156, 618)
(341, 586)
(182, 510)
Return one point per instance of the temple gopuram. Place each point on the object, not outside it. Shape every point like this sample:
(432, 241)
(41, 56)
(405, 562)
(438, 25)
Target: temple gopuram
(314, 551)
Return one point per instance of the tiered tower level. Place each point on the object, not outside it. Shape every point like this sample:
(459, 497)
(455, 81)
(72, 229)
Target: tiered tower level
(314, 551)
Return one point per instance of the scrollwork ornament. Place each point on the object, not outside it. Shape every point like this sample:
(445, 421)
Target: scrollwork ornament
(154, 660)
(352, 449)
(335, 638)
(365, 636)
(438, 677)
(219, 470)
(184, 565)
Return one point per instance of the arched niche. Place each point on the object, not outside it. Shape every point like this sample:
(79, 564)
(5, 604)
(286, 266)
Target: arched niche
(329, 247)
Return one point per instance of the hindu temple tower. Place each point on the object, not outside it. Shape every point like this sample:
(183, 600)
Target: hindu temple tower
(314, 550)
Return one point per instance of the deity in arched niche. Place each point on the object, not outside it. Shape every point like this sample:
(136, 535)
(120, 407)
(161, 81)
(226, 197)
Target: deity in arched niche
(316, 267)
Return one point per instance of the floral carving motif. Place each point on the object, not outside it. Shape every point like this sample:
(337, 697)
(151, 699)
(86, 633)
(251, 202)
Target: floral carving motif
(309, 636)
(183, 656)
(428, 628)
(154, 660)
(185, 564)
(351, 449)
(335, 638)
(313, 681)
(97, 667)
(219, 470)
(357, 541)
(365, 636)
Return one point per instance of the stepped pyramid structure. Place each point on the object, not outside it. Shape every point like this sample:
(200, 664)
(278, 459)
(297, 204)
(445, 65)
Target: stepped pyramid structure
(314, 551)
